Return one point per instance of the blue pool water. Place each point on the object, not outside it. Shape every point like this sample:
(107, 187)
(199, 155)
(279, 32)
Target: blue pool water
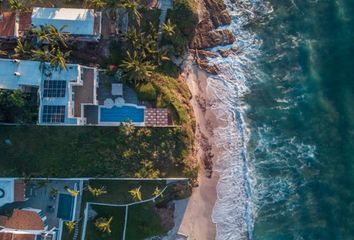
(65, 207)
(122, 114)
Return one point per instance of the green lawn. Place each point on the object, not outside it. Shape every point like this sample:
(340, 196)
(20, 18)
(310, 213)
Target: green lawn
(143, 222)
(118, 190)
(117, 225)
(92, 151)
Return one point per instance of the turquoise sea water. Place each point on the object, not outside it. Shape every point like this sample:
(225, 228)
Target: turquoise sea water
(300, 117)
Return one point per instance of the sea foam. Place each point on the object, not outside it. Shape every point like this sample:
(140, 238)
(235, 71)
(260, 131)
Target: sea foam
(233, 212)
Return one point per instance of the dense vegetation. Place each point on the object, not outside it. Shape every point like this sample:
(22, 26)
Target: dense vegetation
(144, 55)
(18, 107)
(93, 151)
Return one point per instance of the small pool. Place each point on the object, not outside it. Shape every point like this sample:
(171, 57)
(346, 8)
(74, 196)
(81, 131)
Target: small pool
(121, 114)
(65, 206)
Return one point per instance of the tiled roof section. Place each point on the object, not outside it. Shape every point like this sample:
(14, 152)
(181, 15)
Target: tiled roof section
(25, 21)
(11, 236)
(24, 237)
(24, 220)
(5, 236)
(156, 117)
(19, 191)
(85, 93)
(3, 220)
(7, 24)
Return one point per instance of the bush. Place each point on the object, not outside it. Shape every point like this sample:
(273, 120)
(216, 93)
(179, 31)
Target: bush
(146, 92)
(168, 68)
(185, 17)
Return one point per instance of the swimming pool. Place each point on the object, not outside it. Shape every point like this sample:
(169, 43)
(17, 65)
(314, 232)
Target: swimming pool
(125, 113)
(65, 207)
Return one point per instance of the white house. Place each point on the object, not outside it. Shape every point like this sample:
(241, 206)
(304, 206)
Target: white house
(63, 93)
(83, 24)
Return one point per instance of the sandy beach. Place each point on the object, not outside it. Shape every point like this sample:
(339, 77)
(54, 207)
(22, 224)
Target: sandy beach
(196, 222)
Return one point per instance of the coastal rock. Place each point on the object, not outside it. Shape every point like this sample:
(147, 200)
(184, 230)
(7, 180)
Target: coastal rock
(226, 53)
(212, 39)
(203, 54)
(208, 67)
(218, 13)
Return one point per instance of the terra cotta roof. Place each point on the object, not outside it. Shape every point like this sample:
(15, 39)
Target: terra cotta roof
(19, 191)
(24, 220)
(25, 21)
(7, 24)
(11, 236)
(23, 237)
(5, 236)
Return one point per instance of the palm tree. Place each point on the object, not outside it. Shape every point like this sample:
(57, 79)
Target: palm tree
(133, 7)
(16, 5)
(161, 56)
(136, 69)
(132, 37)
(104, 224)
(41, 55)
(72, 192)
(169, 28)
(70, 225)
(157, 192)
(58, 58)
(95, 4)
(96, 191)
(22, 49)
(58, 35)
(50, 34)
(41, 33)
(136, 194)
(3, 53)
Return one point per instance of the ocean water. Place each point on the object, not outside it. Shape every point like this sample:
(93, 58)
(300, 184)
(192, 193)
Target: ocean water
(287, 169)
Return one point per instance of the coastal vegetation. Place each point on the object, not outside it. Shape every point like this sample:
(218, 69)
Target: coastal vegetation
(18, 107)
(144, 54)
(124, 151)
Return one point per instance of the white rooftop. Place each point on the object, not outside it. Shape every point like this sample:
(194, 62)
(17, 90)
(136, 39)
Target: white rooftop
(77, 21)
(7, 194)
(15, 73)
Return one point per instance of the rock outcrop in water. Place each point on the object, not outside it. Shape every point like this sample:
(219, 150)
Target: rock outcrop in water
(214, 14)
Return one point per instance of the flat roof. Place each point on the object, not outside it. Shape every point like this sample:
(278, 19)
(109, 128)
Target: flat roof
(76, 21)
(15, 73)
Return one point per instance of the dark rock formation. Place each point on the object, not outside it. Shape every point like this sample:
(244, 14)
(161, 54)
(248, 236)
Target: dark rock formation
(212, 39)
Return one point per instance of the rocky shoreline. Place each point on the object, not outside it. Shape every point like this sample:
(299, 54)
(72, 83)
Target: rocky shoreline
(212, 15)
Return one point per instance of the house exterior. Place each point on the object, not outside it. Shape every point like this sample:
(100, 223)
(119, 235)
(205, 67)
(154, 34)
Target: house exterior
(14, 25)
(26, 224)
(81, 24)
(62, 93)
(72, 96)
(11, 190)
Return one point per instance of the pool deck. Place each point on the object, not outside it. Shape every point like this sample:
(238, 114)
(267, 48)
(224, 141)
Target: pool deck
(39, 198)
